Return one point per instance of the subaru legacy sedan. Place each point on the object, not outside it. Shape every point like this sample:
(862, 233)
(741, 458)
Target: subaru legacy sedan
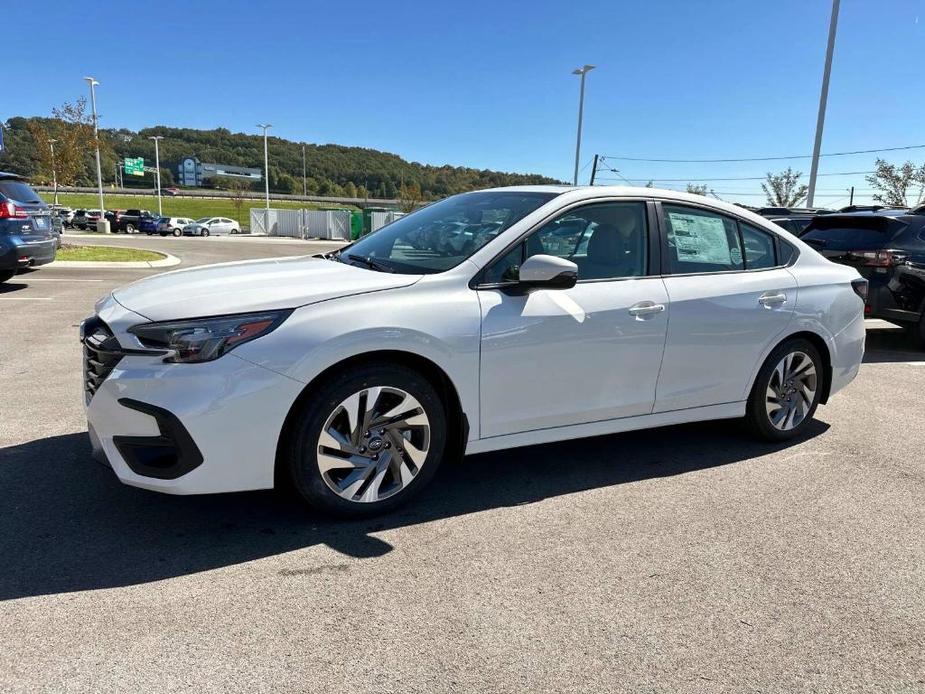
(351, 376)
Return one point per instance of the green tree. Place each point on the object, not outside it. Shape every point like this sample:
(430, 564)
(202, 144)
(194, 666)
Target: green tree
(350, 190)
(784, 189)
(700, 189)
(896, 183)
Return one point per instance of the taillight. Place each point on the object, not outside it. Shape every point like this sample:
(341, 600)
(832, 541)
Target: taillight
(860, 287)
(877, 258)
(8, 210)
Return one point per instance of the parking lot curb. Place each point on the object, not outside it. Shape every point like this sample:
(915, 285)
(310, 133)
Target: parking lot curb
(167, 261)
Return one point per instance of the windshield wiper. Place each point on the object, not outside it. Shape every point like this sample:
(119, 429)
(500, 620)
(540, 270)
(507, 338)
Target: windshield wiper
(369, 262)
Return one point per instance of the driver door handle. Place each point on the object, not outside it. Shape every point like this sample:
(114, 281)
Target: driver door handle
(645, 308)
(772, 299)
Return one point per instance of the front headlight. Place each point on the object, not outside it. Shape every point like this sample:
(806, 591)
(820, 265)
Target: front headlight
(204, 339)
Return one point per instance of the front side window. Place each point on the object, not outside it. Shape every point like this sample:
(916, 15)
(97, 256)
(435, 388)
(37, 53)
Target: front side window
(440, 236)
(605, 241)
(701, 241)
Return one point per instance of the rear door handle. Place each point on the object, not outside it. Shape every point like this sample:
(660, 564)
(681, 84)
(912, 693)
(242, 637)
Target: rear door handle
(645, 308)
(771, 299)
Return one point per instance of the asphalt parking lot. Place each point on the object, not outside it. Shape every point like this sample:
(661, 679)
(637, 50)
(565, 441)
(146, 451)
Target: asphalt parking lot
(681, 559)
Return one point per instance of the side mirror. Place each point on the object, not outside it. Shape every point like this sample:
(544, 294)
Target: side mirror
(548, 272)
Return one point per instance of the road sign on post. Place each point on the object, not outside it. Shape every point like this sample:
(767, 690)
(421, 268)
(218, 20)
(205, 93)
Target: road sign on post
(135, 167)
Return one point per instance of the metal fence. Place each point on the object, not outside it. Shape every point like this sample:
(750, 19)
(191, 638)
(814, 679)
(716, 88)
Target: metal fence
(301, 224)
(377, 220)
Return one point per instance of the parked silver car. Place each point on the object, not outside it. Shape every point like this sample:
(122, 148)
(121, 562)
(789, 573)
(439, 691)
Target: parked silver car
(207, 226)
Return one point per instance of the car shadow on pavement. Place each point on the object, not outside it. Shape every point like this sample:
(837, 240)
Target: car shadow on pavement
(69, 525)
(13, 285)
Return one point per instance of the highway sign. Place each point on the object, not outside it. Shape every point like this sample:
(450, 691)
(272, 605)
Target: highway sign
(135, 167)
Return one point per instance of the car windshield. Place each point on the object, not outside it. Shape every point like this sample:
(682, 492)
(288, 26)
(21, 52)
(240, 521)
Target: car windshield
(442, 235)
(203, 220)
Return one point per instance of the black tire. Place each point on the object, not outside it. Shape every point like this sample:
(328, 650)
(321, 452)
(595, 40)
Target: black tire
(757, 418)
(235, 231)
(918, 331)
(129, 228)
(204, 233)
(177, 233)
(6, 275)
(300, 451)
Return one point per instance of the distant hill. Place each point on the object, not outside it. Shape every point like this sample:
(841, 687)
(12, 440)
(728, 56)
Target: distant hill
(333, 170)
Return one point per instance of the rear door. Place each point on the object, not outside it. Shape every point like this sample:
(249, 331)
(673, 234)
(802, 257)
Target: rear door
(731, 299)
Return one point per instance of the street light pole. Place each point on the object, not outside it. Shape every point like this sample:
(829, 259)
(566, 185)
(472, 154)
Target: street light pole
(157, 166)
(581, 107)
(823, 98)
(54, 172)
(266, 161)
(304, 184)
(96, 138)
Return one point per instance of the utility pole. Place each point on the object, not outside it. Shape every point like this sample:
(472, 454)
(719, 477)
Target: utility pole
(823, 98)
(266, 177)
(96, 140)
(157, 166)
(593, 170)
(304, 185)
(581, 107)
(851, 196)
(54, 173)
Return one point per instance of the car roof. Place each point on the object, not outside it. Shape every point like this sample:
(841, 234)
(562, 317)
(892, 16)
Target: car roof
(7, 175)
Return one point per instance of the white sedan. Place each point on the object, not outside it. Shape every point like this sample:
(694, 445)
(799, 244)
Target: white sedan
(209, 226)
(352, 376)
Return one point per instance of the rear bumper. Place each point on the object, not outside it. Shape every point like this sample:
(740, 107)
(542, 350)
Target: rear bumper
(16, 253)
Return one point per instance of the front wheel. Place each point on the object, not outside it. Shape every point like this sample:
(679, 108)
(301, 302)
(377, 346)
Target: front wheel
(367, 440)
(786, 392)
(129, 228)
(204, 232)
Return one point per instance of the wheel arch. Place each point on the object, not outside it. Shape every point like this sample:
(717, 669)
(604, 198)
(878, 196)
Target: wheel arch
(457, 420)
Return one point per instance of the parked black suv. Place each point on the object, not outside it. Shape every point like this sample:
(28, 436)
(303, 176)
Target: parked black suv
(127, 221)
(793, 219)
(27, 237)
(888, 248)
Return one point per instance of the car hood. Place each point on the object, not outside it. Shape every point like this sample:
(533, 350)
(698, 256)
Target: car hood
(251, 285)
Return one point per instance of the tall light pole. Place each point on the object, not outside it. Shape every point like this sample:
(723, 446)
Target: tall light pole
(54, 172)
(266, 161)
(581, 107)
(96, 138)
(157, 166)
(823, 98)
(304, 184)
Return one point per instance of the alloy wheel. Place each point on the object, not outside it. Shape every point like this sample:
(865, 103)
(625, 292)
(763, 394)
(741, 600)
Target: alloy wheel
(373, 444)
(791, 391)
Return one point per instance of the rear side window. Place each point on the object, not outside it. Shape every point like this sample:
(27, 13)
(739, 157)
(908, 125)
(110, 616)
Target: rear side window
(701, 241)
(18, 191)
(856, 237)
(759, 248)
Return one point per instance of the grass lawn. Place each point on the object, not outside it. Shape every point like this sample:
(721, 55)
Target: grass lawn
(173, 207)
(110, 254)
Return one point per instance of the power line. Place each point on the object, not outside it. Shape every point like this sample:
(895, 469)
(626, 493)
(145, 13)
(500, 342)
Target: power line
(796, 156)
(733, 178)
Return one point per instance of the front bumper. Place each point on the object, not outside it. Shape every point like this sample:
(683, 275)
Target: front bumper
(190, 428)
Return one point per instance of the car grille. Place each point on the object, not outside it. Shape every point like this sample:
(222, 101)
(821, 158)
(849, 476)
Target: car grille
(101, 354)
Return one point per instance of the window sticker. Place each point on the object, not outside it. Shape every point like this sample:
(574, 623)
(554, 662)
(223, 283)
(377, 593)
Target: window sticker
(701, 239)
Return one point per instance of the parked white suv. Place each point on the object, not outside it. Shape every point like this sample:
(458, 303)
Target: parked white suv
(586, 311)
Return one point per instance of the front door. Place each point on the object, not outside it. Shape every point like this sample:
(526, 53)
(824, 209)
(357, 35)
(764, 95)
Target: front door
(557, 357)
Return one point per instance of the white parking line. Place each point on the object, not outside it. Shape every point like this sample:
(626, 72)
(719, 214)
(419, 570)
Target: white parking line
(26, 298)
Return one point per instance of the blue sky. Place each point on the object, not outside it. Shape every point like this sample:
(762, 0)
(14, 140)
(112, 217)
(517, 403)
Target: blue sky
(488, 84)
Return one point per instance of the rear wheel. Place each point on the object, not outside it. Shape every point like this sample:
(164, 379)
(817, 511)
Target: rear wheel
(918, 330)
(6, 275)
(786, 392)
(177, 232)
(367, 441)
(129, 228)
